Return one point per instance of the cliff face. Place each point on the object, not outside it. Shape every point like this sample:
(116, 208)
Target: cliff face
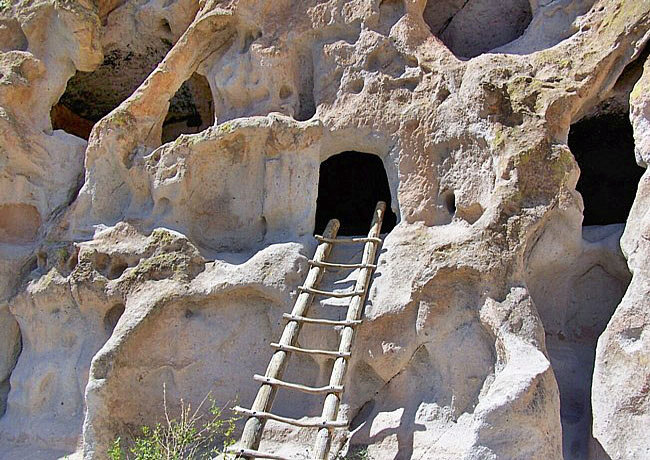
(164, 165)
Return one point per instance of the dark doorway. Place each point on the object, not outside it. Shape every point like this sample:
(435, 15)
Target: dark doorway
(603, 146)
(350, 185)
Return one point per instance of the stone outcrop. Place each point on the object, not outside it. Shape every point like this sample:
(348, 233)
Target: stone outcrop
(621, 394)
(164, 248)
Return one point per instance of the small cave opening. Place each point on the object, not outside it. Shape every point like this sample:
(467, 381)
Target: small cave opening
(89, 96)
(306, 103)
(112, 317)
(191, 109)
(390, 11)
(471, 28)
(603, 146)
(349, 187)
(64, 118)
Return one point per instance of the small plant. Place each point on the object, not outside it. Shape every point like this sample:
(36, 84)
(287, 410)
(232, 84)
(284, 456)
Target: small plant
(356, 453)
(193, 435)
(115, 451)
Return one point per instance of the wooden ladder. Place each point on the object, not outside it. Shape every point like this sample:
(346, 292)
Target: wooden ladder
(272, 380)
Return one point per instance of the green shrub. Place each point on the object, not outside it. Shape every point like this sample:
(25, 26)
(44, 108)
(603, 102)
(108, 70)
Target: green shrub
(193, 435)
(356, 453)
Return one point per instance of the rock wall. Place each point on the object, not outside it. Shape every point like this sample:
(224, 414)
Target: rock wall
(164, 248)
(621, 378)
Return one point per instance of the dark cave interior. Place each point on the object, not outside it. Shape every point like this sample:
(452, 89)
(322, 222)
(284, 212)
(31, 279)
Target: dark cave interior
(350, 185)
(603, 146)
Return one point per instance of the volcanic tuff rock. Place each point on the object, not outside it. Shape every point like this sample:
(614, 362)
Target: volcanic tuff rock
(164, 248)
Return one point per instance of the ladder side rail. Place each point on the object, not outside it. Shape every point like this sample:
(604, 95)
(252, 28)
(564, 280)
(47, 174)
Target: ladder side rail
(355, 310)
(252, 433)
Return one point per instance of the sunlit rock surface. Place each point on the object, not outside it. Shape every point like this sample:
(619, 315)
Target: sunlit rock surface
(159, 189)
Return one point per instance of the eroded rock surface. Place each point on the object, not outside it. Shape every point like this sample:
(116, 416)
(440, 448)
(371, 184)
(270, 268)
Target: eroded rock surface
(164, 249)
(621, 395)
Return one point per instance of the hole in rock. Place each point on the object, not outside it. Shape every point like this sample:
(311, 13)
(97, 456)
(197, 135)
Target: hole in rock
(112, 317)
(101, 262)
(390, 11)
(41, 260)
(89, 96)
(285, 92)
(32, 265)
(450, 201)
(470, 28)
(116, 269)
(356, 86)
(73, 260)
(307, 103)
(64, 118)
(111, 267)
(603, 146)
(349, 187)
(249, 38)
(191, 110)
(166, 27)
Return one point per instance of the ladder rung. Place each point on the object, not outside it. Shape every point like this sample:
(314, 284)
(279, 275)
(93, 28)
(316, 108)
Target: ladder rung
(291, 421)
(296, 386)
(327, 322)
(338, 295)
(316, 263)
(255, 453)
(348, 240)
(310, 351)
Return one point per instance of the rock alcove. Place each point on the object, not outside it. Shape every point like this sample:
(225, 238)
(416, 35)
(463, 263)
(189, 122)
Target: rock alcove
(476, 27)
(349, 187)
(603, 146)
(174, 263)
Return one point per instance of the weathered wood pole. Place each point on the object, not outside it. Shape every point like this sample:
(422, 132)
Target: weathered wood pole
(252, 434)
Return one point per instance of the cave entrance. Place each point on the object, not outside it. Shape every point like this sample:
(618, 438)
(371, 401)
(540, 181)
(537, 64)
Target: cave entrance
(349, 187)
(191, 109)
(603, 146)
(470, 29)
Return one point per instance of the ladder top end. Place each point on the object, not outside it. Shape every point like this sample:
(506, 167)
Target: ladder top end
(333, 224)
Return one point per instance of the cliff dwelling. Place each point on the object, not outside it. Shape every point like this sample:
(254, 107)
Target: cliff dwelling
(349, 186)
(374, 229)
(603, 146)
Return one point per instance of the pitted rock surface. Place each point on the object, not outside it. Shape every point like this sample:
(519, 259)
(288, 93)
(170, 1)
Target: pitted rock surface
(159, 187)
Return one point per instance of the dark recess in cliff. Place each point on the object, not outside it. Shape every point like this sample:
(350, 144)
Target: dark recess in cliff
(604, 149)
(471, 28)
(350, 185)
(191, 109)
